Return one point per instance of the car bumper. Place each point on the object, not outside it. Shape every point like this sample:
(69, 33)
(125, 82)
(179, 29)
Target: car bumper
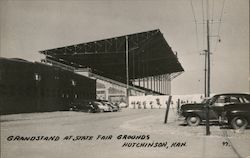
(182, 120)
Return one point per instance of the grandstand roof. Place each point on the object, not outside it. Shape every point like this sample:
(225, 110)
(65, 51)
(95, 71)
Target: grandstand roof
(149, 55)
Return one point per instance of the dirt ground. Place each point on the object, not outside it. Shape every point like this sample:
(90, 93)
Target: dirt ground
(131, 133)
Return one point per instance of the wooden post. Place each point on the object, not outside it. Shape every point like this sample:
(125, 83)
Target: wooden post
(167, 109)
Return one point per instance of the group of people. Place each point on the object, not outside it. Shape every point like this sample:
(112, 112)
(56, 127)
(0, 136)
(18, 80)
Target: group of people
(144, 104)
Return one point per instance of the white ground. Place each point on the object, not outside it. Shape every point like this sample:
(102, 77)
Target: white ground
(222, 142)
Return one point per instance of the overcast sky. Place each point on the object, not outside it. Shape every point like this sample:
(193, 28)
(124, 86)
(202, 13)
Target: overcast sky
(27, 27)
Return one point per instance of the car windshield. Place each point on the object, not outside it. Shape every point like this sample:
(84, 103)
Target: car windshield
(109, 104)
(98, 103)
(206, 100)
(103, 103)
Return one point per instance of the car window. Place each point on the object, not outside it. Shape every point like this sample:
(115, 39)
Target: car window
(221, 99)
(241, 100)
(234, 99)
(206, 100)
(245, 99)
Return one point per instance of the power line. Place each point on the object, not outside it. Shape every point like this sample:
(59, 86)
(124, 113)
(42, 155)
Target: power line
(207, 9)
(203, 25)
(196, 30)
(221, 14)
(212, 19)
(213, 10)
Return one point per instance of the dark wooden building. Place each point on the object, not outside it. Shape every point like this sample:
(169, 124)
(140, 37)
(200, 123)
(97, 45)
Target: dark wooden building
(36, 87)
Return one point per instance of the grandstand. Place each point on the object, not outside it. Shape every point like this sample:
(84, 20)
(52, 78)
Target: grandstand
(152, 64)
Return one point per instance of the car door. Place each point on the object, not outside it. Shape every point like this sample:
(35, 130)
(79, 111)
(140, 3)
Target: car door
(217, 107)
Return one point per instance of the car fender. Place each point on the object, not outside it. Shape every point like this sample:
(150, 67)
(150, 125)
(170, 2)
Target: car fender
(232, 114)
(187, 113)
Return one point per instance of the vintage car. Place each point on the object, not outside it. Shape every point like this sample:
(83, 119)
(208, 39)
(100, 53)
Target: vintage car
(103, 107)
(194, 114)
(122, 105)
(84, 106)
(114, 108)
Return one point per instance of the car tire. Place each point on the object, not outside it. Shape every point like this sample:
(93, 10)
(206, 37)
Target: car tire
(239, 122)
(193, 120)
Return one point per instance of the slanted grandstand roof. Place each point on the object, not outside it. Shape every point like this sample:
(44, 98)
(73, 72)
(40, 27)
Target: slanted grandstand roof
(149, 55)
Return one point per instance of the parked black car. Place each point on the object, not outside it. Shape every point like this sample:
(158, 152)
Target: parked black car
(84, 106)
(195, 113)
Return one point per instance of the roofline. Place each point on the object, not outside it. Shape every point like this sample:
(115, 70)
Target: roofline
(43, 51)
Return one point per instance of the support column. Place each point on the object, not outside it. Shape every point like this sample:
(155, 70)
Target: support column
(163, 85)
(151, 84)
(165, 80)
(143, 80)
(168, 84)
(127, 70)
(158, 83)
(154, 84)
(147, 83)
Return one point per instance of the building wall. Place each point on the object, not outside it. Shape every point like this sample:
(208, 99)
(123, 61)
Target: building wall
(108, 89)
(36, 87)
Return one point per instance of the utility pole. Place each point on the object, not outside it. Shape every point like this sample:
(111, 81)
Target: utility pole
(205, 73)
(127, 71)
(207, 107)
(208, 61)
(208, 80)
